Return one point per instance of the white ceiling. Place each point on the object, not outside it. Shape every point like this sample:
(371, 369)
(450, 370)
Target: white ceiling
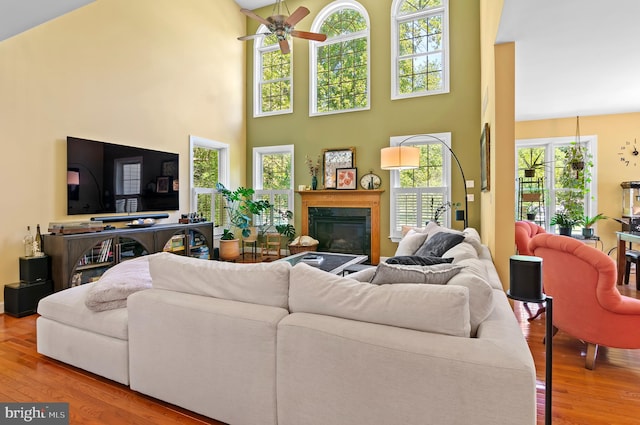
(573, 57)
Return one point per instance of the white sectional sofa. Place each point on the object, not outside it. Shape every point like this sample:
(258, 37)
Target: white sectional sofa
(274, 344)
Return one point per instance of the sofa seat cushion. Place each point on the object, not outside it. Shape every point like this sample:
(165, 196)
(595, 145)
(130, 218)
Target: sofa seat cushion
(68, 307)
(442, 309)
(259, 283)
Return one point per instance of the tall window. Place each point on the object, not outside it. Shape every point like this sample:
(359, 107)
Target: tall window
(563, 189)
(420, 48)
(340, 65)
(209, 165)
(273, 180)
(422, 194)
(272, 76)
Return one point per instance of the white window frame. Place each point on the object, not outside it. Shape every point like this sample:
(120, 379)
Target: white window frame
(550, 143)
(315, 45)
(395, 53)
(258, 153)
(258, 51)
(224, 175)
(394, 178)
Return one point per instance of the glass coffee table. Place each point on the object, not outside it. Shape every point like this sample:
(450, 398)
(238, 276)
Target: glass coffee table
(331, 262)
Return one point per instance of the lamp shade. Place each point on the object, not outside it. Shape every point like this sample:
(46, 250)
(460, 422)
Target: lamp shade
(399, 157)
(525, 278)
(73, 177)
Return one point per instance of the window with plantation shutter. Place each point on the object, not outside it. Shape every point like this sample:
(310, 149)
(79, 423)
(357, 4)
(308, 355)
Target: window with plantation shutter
(272, 172)
(421, 194)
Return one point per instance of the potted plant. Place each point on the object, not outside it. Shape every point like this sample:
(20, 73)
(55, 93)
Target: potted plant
(564, 221)
(286, 229)
(532, 211)
(587, 222)
(532, 161)
(240, 207)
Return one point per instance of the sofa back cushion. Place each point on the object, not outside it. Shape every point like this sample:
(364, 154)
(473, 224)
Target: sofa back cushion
(260, 283)
(440, 309)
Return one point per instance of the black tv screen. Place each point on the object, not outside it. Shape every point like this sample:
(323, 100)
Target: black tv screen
(108, 178)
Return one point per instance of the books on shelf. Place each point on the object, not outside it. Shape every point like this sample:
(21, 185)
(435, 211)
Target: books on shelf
(105, 249)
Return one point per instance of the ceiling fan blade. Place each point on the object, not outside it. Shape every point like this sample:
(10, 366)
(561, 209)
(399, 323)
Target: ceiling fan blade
(309, 35)
(252, 36)
(284, 46)
(252, 15)
(296, 16)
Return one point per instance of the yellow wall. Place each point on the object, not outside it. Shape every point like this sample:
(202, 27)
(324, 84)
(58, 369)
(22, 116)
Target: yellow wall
(146, 73)
(498, 110)
(612, 132)
(369, 131)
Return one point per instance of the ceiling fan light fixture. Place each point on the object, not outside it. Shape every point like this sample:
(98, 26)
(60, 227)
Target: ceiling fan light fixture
(282, 25)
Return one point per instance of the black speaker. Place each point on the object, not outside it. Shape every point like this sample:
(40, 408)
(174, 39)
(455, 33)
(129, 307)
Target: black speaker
(34, 269)
(525, 278)
(21, 299)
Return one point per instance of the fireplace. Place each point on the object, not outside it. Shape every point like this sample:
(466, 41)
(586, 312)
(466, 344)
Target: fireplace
(354, 222)
(342, 230)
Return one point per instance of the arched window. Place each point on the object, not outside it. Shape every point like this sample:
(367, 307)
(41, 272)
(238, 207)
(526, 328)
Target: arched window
(272, 76)
(340, 65)
(419, 48)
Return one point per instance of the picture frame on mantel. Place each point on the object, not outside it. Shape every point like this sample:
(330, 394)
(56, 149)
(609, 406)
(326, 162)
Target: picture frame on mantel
(332, 160)
(347, 178)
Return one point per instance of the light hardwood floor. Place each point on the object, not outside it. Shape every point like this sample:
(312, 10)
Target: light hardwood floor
(609, 395)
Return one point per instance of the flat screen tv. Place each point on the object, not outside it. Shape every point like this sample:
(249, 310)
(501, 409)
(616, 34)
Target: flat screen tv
(108, 178)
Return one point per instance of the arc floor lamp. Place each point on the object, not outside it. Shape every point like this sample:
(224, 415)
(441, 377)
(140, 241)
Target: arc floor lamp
(407, 157)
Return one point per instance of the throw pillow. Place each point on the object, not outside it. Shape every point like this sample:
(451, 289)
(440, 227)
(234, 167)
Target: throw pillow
(438, 274)
(411, 242)
(438, 244)
(414, 260)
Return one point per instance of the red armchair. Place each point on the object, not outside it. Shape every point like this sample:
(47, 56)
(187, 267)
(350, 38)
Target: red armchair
(525, 230)
(587, 304)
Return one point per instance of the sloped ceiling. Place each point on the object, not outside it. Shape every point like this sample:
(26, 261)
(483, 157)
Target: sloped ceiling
(17, 16)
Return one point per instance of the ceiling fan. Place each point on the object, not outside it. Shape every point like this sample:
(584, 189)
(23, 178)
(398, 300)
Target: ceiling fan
(281, 25)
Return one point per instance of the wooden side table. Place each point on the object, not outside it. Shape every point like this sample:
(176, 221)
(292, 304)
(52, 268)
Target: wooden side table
(271, 245)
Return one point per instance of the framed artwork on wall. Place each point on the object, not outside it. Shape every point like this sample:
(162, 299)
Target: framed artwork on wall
(485, 159)
(332, 159)
(346, 178)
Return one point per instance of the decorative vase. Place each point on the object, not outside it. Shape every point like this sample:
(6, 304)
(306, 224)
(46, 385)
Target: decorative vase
(314, 182)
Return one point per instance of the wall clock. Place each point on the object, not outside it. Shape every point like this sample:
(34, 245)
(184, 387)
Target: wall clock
(370, 181)
(629, 153)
